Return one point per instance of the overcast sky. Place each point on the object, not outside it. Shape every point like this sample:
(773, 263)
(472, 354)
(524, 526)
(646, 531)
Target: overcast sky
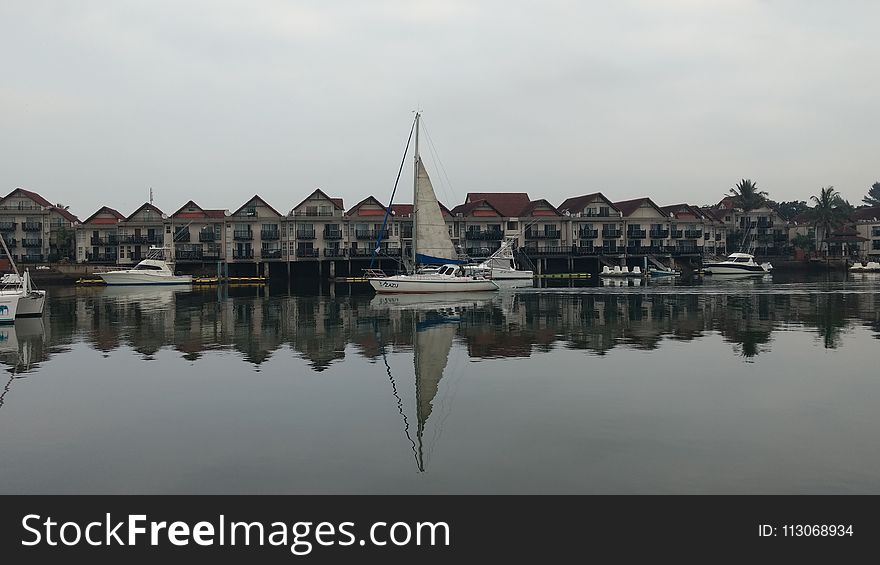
(218, 100)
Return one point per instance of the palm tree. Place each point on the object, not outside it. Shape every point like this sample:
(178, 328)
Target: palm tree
(829, 212)
(746, 195)
(873, 197)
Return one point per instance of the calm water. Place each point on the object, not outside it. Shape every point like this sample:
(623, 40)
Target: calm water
(743, 386)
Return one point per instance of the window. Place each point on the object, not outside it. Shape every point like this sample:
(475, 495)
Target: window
(511, 226)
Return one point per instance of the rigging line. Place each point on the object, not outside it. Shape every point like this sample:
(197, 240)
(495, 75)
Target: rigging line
(450, 198)
(395, 393)
(396, 182)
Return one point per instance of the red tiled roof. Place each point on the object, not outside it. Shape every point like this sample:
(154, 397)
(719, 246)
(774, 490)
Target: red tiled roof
(66, 214)
(677, 209)
(402, 209)
(338, 203)
(364, 201)
(202, 212)
(144, 206)
(468, 208)
(255, 197)
(627, 207)
(32, 195)
(104, 209)
(712, 214)
(508, 204)
(869, 214)
(528, 210)
(215, 213)
(578, 203)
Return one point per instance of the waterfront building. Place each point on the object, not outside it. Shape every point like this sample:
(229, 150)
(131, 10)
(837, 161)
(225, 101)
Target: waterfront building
(649, 230)
(364, 226)
(715, 238)
(142, 229)
(479, 228)
(766, 229)
(97, 239)
(198, 235)
(316, 229)
(543, 232)
(256, 233)
(690, 223)
(595, 224)
(35, 230)
(867, 225)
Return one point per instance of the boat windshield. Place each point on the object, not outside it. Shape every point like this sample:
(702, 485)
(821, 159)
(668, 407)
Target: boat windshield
(741, 260)
(147, 268)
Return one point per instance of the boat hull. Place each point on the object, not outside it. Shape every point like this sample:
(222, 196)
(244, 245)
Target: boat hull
(416, 284)
(8, 308)
(511, 275)
(734, 269)
(31, 304)
(140, 279)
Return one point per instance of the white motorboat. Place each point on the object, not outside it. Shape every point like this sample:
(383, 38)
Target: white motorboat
(31, 301)
(148, 271)
(501, 265)
(432, 245)
(449, 278)
(8, 308)
(869, 267)
(738, 264)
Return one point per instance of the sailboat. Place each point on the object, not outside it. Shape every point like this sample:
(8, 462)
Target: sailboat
(18, 297)
(431, 246)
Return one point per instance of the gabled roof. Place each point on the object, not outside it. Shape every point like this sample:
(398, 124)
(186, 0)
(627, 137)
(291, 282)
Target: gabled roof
(533, 205)
(364, 201)
(337, 202)
(32, 195)
(256, 197)
(66, 214)
(468, 208)
(93, 219)
(627, 207)
(207, 213)
(712, 214)
(578, 203)
(867, 214)
(509, 204)
(676, 209)
(144, 206)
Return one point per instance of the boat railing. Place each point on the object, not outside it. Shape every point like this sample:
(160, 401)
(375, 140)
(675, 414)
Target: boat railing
(374, 274)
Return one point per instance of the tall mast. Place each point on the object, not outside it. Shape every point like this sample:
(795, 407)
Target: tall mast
(415, 184)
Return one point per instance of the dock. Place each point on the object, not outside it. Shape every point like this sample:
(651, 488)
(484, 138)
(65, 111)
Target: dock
(197, 281)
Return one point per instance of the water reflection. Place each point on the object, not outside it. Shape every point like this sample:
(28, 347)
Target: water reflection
(323, 329)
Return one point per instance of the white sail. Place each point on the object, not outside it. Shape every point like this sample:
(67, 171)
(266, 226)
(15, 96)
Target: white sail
(431, 235)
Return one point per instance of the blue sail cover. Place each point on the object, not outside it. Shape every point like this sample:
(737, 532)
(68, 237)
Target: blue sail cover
(429, 260)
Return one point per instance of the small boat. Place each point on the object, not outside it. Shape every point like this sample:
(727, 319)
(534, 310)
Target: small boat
(619, 271)
(738, 264)
(31, 301)
(148, 271)
(869, 267)
(663, 272)
(432, 245)
(501, 264)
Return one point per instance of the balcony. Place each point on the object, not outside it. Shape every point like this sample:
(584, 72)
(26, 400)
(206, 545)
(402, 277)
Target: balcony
(599, 214)
(139, 239)
(546, 234)
(11, 243)
(371, 234)
(406, 233)
(307, 253)
(332, 234)
(586, 250)
(32, 243)
(693, 234)
(305, 234)
(875, 232)
(611, 234)
(181, 236)
(188, 255)
(8, 226)
(270, 253)
(270, 235)
(491, 235)
(101, 257)
(33, 258)
(32, 226)
(636, 234)
(242, 235)
(242, 253)
(479, 251)
(211, 255)
(390, 252)
(338, 252)
(588, 234)
(676, 234)
(106, 240)
(659, 234)
(360, 252)
(313, 213)
(550, 250)
(207, 236)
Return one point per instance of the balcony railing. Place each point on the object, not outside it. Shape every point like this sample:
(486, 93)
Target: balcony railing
(242, 235)
(479, 251)
(492, 235)
(139, 239)
(302, 252)
(676, 234)
(101, 257)
(270, 235)
(31, 258)
(11, 243)
(360, 252)
(7, 226)
(542, 234)
(599, 214)
(188, 255)
(875, 232)
(586, 250)
(181, 236)
(314, 213)
(32, 243)
(636, 234)
(32, 226)
(371, 234)
(659, 234)
(242, 253)
(211, 255)
(611, 234)
(305, 234)
(270, 253)
(588, 234)
(550, 250)
(207, 236)
(339, 252)
(332, 234)
(107, 240)
(391, 252)
(693, 234)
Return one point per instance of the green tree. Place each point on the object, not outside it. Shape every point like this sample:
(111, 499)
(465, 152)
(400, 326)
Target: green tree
(804, 242)
(746, 195)
(873, 197)
(829, 212)
(792, 209)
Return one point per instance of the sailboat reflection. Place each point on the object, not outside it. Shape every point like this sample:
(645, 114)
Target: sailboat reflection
(21, 348)
(434, 323)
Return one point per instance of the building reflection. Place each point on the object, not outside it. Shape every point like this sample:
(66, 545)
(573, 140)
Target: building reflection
(323, 329)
